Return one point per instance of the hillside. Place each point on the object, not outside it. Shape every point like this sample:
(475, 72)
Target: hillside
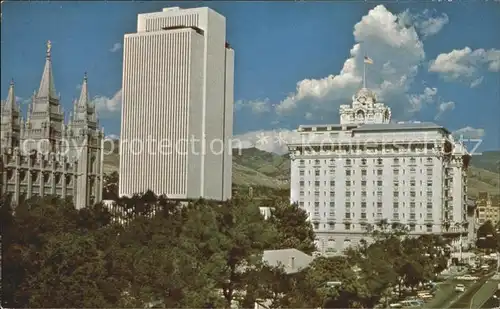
(254, 167)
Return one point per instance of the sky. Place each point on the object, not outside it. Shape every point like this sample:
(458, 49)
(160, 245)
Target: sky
(295, 62)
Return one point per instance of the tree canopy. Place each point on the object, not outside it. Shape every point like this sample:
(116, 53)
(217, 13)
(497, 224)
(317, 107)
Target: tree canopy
(203, 254)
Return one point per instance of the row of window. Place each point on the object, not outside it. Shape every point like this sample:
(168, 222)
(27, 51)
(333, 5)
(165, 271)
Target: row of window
(396, 215)
(379, 183)
(363, 193)
(379, 172)
(350, 226)
(363, 204)
(365, 161)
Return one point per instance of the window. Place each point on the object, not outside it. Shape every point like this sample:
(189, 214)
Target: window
(379, 193)
(332, 183)
(429, 183)
(412, 160)
(395, 204)
(429, 193)
(363, 183)
(348, 162)
(347, 183)
(348, 172)
(301, 204)
(332, 193)
(412, 170)
(412, 183)
(379, 183)
(429, 171)
(429, 206)
(348, 215)
(301, 193)
(412, 227)
(316, 204)
(412, 204)
(363, 215)
(379, 161)
(396, 160)
(302, 162)
(379, 172)
(316, 193)
(332, 204)
(412, 194)
(347, 226)
(363, 204)
(332, 171)
(363, 172)
(317, 162)
(316, 183)
(301, 172)
(395, 216)
(395, 171)
(396, 193)
(412, 216)
(428, 228)
(316, 172)
(301, 183)
(379, 204)
(363, 161)
(363, 193)
(429, 160)
(347, 193)
(347, 204)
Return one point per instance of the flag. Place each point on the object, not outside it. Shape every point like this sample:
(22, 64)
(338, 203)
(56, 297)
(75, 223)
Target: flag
(368, 60)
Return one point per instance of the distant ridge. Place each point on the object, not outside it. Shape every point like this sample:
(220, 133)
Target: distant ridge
(255, 167)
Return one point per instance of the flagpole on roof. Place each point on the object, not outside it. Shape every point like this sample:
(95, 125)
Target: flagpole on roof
(364, 71)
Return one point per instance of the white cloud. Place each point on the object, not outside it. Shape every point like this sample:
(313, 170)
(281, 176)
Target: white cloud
(116, 47)
(469, 133)
(397, 53)
(428, 23)
(418, 100)
(256, 106)
(476, 82)
(270, 141)
(108, 106)
(112, 136)
(79, 87)
(465, 64)
(443, 108)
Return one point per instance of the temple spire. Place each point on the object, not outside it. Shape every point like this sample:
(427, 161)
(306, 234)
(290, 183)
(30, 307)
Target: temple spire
(10, 103)
(84, 94)
(47, 88)
(83, 110)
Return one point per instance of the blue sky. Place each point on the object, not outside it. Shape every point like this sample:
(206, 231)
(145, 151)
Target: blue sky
(295, 62)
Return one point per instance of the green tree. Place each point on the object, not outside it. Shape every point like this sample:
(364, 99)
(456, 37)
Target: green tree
(294, 230)
(487, 237)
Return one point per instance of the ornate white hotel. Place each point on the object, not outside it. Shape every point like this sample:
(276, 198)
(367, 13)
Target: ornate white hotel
(367, 169)
(178, 76)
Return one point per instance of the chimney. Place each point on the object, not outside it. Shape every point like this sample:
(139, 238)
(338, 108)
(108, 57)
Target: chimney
(292, 262)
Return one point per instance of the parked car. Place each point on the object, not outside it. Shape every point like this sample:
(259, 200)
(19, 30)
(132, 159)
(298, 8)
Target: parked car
(460, 288)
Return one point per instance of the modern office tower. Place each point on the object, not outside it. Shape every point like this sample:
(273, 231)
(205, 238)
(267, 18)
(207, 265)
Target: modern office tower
(178, 75)
(366, 171)
(43, 155)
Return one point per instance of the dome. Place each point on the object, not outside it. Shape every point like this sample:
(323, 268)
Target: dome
(365, 92)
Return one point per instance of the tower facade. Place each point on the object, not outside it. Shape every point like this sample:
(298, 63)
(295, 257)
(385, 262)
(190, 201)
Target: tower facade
(43, 155)
(177, 111)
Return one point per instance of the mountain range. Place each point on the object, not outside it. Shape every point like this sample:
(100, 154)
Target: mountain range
(254, 167)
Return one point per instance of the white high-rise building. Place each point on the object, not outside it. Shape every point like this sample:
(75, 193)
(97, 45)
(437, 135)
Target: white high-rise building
(177, 114)
(351, 176)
